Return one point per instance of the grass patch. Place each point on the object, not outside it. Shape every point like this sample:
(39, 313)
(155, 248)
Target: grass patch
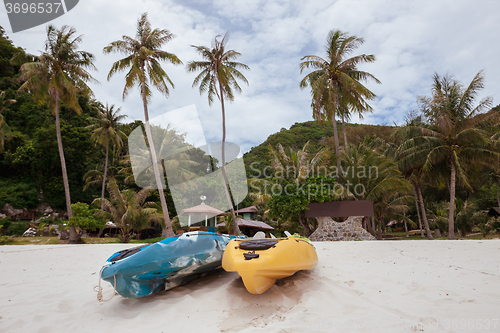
(147, 241)
(40, 240)
(489, 236)
(32, 241)
(473, 235)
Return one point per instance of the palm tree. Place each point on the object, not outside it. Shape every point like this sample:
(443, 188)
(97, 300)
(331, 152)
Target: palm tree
(413, 172)
(336, 82)
(176, 161)
(106, 129)
(128, 209)
(418, 214)
(495, 178)
(143, 56)
(391, 206)
(5, 132)
(218, 77)
(453, 138)
(371, 174)
(93, 177)
(58, 76)
(296, 165)
(468, 216)
(438, 217)
(415, 179)
(260, 201)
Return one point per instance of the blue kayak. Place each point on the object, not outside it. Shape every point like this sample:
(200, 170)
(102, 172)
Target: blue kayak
(144, 270)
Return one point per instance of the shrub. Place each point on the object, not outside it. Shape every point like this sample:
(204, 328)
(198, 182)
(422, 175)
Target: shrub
(16, 228)
(4, 225)
(494, 224)
(484, 228)
(83, 217)
(18, 194)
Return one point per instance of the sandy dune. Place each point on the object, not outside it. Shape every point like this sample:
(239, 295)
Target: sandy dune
(389, 286)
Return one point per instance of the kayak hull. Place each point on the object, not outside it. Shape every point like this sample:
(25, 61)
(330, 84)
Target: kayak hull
(260, 268)
(163, 265)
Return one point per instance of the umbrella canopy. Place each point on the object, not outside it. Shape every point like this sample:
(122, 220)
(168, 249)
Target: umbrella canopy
(250, 224)
(201, 209)
(251, 209)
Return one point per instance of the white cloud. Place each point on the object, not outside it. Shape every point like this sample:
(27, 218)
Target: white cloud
(411, 41)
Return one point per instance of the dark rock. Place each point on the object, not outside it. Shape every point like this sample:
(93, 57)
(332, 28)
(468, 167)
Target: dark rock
(44, 209)
(63, 234)
(8, 210)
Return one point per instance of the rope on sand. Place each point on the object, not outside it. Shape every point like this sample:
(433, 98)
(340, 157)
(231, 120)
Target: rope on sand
(99, 288)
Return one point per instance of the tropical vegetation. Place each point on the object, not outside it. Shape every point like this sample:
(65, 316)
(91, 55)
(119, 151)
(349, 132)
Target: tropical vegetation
(106, 130)
(335, 82)
(58, 75)
(143, 56)
(438, 172)
(219, 77)
(454, 136)
(128, 209)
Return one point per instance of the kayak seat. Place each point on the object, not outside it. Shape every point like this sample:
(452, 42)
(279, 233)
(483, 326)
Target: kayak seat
(250, 255)
(258, 244)
(127, 253)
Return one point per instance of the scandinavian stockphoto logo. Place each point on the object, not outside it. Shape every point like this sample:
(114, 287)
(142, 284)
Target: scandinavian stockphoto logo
(191, 165)
(26, 14)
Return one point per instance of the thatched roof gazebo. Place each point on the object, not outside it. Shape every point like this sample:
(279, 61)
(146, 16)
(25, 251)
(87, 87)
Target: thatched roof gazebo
(202, 210)
(250, 227)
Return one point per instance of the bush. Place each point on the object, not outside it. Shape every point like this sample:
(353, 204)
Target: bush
(494, 224)
(12, 228)
(18, 194)
(4, 225)
(484, 228)
(83, 217)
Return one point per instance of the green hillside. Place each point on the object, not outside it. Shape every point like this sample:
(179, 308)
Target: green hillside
(259, 157)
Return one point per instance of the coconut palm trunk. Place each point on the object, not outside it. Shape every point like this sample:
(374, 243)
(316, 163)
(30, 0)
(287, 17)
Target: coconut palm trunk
(451, 218)
(370, 226)
(406, 225)
(73, 235)
(167, 231)
(335, 81)
(345, 135)
(367, 225)
(304, 224)
(218, 77)
(337, 146)
(145, 51)
(236, 229)
(418, 213)
(59, 74)
(379, 233)
(105, 169)
(498, 196)
(422, 209)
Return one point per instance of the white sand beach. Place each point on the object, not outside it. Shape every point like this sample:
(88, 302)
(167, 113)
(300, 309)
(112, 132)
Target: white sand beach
(379, 286)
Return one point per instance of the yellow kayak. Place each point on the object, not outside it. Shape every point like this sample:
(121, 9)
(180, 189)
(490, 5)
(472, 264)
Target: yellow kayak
(260, 262)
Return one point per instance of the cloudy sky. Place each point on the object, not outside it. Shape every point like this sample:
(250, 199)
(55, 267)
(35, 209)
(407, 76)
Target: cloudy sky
(410, 39)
